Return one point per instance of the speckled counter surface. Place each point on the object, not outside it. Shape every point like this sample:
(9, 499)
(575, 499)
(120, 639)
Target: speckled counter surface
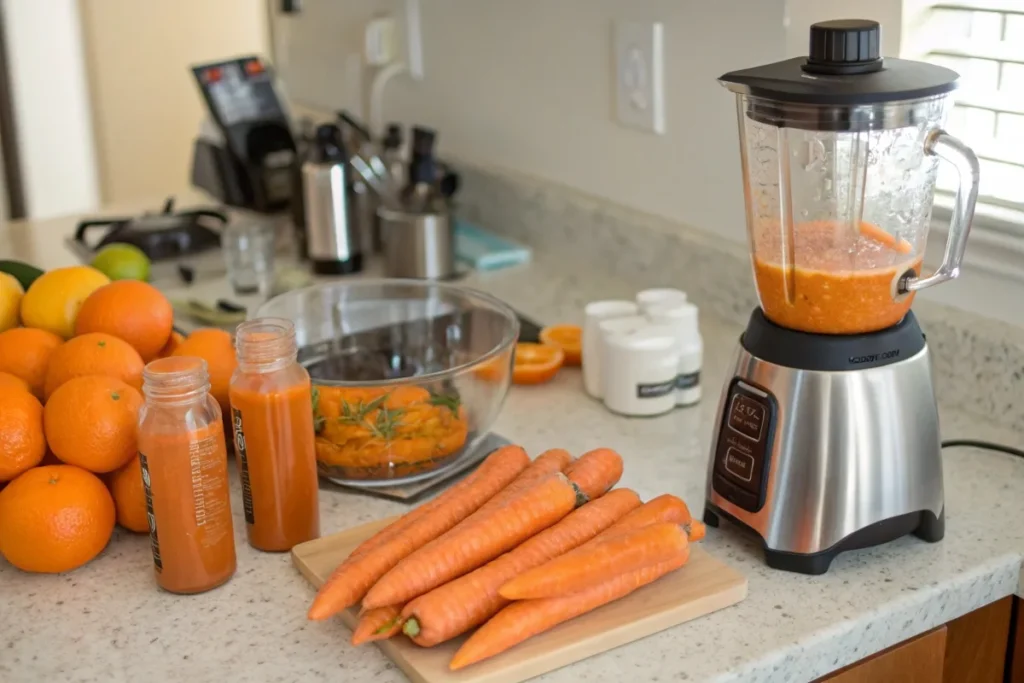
(108, 622)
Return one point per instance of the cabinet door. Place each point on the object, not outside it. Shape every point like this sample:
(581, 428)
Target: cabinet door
(919, 660)
(976, 644)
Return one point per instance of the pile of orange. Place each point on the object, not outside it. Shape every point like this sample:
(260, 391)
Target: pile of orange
(70, 393)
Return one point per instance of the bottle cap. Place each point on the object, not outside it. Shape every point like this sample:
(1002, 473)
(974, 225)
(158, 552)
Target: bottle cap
(659, 295)
(682, 316)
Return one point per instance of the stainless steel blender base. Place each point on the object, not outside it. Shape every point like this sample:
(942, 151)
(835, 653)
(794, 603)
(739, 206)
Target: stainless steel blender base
(821, 461)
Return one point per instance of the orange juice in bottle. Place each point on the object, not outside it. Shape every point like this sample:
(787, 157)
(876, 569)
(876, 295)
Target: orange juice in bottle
(272, 418)
(185, 477)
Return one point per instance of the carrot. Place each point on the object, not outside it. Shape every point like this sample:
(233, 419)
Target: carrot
(524, 619)
(886, 239)
(457, 606)
(595, 472)
(350, 581)
(664, 508)
(696, 530)
(602, 559)
(553, 460)
(378, 624)
(475, 542)
(547, 463)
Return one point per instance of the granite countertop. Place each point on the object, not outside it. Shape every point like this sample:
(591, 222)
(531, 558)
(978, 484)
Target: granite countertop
(108, 621)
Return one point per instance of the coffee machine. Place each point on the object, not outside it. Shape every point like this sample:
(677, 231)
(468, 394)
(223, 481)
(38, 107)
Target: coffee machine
(827, 431)
(245, 154)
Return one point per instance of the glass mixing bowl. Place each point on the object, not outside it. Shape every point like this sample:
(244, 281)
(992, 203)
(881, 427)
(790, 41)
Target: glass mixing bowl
(408, 375)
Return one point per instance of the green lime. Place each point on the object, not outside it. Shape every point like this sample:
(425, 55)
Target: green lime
(122, 262)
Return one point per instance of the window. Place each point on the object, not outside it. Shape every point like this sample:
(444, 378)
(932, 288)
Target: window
(983, 41)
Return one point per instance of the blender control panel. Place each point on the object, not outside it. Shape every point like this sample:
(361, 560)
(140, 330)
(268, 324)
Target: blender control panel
(744, 446)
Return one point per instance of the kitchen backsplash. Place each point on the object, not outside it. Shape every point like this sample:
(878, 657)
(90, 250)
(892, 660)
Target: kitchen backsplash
(979, 362)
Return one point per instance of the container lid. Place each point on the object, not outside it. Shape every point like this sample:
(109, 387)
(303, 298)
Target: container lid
(645, 339)
(613, 326)
(843, 67)
(682, 316)
(328, 146)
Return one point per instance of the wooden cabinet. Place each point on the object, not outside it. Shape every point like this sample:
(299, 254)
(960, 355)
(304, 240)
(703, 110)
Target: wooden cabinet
(918, 660)
(984, 646)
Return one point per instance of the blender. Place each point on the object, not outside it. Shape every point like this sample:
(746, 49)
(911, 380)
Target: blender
(827, 431)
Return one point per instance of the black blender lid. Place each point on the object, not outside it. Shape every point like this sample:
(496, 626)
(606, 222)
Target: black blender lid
(844, 67)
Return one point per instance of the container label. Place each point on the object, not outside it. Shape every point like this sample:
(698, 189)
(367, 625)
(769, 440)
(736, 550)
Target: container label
(243, 466)
(688, 381)
(154, 541)
(655, 390)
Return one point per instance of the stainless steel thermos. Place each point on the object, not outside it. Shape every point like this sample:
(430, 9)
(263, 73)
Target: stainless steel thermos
(333, 243)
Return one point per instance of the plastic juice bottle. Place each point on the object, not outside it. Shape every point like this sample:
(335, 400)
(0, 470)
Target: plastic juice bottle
(185, 476)
(272, 418)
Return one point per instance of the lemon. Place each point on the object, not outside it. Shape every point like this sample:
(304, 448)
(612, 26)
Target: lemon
(11, 294)
(122, 262)
(53, 300)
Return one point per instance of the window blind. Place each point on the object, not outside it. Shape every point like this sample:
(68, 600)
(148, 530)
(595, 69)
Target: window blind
(983, 41)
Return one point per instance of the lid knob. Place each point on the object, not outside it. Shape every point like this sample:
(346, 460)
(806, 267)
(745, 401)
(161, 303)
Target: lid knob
(845, 46)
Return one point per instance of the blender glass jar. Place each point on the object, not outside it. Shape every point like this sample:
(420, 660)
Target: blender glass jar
(839, 154)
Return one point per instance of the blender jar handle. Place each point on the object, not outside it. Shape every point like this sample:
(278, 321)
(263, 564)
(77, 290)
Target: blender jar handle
(948, 148)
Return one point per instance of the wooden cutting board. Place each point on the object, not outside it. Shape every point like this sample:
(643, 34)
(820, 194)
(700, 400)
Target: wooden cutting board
(704, 585)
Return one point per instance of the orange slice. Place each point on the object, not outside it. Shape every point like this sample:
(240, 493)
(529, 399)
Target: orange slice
(569, 338)
(536, 363)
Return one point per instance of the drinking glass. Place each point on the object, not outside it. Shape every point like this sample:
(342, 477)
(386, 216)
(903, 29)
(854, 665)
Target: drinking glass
(249, 256)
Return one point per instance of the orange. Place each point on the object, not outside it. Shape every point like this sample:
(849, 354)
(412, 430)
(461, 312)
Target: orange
(129, 496)
(26, 352)
(536, 363)
(9, 381)
(22, 444)
(172, 343)
(91, 422)
(54, 519)
(216, 348)
(52, 301)
(94, 354)
(131, 310)
(569, 338)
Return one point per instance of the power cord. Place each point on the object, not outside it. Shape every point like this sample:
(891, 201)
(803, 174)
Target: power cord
(987, 445)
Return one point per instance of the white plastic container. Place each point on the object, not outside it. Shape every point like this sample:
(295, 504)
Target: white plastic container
(657, 296)
(682, 319)
(594, 313)
(639, 369)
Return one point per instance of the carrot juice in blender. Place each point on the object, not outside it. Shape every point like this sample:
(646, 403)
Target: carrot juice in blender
(827, 433)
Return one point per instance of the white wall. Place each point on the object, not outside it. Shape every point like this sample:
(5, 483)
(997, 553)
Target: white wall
(145, 104)
(51, 106)
(527, 85)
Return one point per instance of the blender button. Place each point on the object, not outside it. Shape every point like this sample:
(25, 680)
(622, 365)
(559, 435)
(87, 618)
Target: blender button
(739, 465)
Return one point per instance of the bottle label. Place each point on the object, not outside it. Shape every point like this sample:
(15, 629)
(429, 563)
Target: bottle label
(154, 541)
(243, 466)
(655, 390)
(688, 381)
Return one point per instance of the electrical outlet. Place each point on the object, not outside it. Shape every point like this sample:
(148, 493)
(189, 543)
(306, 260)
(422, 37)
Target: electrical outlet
(639, 75)
(380, 41)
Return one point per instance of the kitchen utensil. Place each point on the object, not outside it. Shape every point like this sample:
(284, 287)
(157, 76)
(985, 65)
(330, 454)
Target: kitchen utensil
(409, 375)
(248, 249)
(594, 313)
(418, 244)
(704, 585)
(333, 244)
(164, 235)
(827, 431)
(639, 370)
